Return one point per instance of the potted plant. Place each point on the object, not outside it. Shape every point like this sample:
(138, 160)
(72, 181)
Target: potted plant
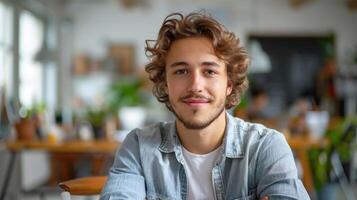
(96, 117)
(126, 99)
(340, 141)
(125, 92)
(28, 126)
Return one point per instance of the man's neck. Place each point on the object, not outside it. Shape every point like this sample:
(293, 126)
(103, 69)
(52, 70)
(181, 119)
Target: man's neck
(203, 141)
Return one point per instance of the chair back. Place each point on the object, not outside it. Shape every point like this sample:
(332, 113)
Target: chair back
(82, 186)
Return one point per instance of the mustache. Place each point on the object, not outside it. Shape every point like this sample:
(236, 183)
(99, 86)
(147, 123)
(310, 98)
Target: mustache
(196, 96)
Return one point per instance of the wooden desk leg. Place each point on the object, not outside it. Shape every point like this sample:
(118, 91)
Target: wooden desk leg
(307, 174)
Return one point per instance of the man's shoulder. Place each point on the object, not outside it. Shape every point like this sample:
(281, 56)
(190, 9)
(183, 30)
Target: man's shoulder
(252, 139)
(250, 132)
(157, 128)
(152, 133)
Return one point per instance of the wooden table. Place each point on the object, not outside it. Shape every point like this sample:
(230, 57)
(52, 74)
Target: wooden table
(91, 147)
(99, 146)
(301, 146)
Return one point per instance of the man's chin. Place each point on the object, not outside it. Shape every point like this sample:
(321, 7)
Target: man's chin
(198, 119)
(194, 125)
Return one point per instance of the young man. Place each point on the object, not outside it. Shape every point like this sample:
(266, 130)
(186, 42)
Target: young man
(199, 71)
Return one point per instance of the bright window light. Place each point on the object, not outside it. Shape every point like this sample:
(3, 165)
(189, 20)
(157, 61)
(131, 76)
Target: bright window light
(30, 71)
(6, 51)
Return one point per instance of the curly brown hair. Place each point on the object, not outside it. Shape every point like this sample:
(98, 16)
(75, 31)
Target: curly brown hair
(176, 26)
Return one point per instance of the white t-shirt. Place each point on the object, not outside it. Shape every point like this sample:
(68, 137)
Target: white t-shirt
(198, 169)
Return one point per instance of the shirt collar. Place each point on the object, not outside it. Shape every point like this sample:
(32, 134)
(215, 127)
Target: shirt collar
(232, 139)
(169, 138)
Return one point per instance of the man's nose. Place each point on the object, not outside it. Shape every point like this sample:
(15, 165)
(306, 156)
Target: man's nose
(196, 82)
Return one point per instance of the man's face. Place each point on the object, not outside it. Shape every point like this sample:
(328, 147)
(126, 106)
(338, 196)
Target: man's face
(197, 82)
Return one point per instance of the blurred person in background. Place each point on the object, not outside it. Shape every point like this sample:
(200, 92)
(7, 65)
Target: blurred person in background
(297, 113)
(199, 71)
(259, 102)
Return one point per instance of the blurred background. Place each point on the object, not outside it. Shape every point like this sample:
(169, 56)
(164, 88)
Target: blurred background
(72, 73)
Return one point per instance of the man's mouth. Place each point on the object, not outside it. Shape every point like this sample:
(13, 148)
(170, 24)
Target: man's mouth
(196, 100)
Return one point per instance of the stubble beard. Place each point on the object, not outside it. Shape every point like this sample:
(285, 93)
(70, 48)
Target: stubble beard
(199, 125)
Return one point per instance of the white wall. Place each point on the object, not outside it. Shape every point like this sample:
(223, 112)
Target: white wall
(317, 17)
(100, 23)
(96, 23)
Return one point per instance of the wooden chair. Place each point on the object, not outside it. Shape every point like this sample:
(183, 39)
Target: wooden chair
(82, 186)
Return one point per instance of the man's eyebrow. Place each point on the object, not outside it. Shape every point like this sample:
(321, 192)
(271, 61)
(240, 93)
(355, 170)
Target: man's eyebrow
(210, 63)
(205, 63)
(176, 64)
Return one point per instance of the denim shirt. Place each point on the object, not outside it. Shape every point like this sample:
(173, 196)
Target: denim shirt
(255, 162)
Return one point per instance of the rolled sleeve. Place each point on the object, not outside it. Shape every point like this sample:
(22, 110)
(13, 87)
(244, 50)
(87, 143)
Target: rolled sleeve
(125, 179)
(276, 171)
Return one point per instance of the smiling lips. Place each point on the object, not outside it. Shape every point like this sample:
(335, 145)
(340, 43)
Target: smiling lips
(196, 101)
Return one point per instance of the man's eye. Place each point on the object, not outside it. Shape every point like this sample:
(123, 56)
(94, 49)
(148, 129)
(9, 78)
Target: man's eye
(181, 71)
(210, 72)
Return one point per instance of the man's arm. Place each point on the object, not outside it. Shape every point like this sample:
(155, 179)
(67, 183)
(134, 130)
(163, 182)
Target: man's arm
(125, 179)
(276, 171)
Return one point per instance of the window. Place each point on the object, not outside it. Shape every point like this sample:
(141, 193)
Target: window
(36, 75)
(6, 50)
(30, 71)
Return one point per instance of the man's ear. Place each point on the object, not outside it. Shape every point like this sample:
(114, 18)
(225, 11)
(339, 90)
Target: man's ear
(229, 87)
(166, 88)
